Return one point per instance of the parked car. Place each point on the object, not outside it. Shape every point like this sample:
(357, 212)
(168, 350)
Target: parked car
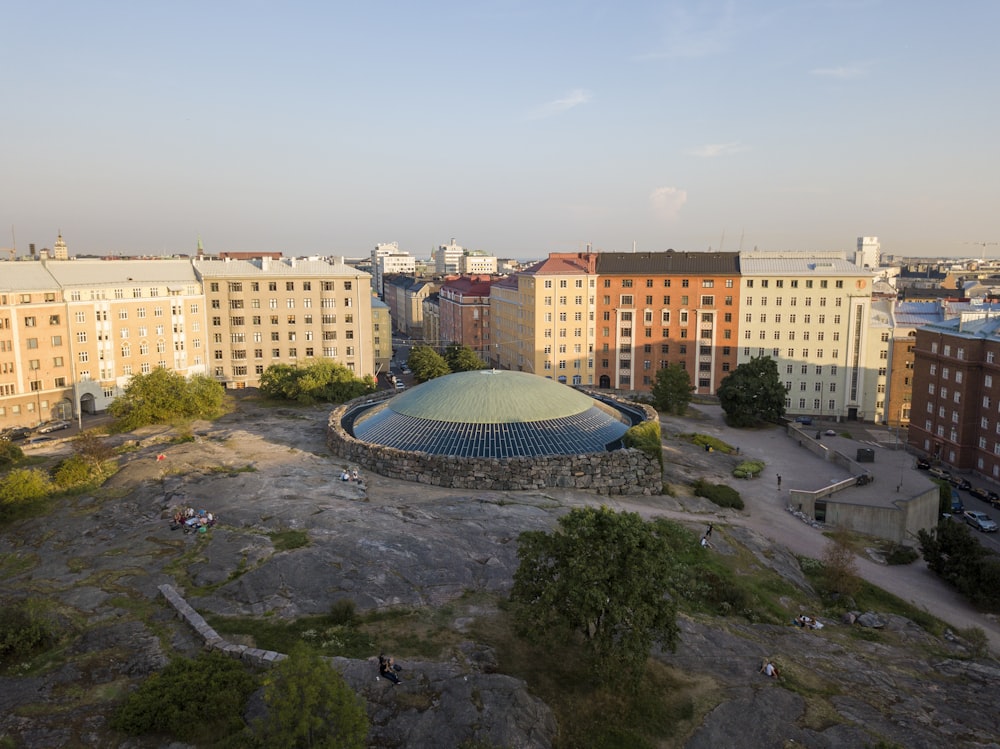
(405, 369)
(939, 473)
(980, 521)
(830, 433)
(400, 385)
(16, 433)
(959, 483)
(54, 426)
(979, 493)
(807, 420)
(994, 499)
(923, 464)
(957, 508)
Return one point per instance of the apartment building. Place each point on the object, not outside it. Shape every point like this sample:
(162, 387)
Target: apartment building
(103, 321)
(464, 304)
(547, 318)
(810, 313)
(35, 359)
(381, 335)
(477, 264)
(955, 415)
(660, 308)
(447, 258)
(387, 260)
(405, 296)
(262, 312)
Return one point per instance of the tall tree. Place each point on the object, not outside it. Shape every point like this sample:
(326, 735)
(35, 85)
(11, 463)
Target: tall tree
(601, 576)
(321, 381)
(752, 393)
(310, 705)
(672, 389)
(426, 364)
(163, 396)
(462, 359)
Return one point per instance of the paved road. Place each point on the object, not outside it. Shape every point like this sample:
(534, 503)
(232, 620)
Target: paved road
(766, 513)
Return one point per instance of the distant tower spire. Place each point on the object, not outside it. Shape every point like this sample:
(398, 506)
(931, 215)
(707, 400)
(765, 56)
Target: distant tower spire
(59, 250)
(201, 250)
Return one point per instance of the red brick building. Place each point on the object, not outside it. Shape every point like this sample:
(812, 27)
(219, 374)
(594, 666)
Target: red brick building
(464, 303)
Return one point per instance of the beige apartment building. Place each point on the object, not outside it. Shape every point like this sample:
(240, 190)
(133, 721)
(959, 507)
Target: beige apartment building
(262, 312)
(811, 314)
(542, 319)
(80, 329)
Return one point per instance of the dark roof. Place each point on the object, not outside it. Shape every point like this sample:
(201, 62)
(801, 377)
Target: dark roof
(669, 261)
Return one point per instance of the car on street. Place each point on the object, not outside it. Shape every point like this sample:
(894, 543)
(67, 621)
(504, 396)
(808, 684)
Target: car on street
(979, 493)
(980, 521)
(923, 464)
(15, 433)
(939, 473)
(405, 369)
(400, 385)
(807, 420)
(959, 483)
(54, 426)
(830, 433)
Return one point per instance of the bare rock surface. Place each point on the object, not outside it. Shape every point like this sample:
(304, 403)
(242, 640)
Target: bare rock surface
(382, 543)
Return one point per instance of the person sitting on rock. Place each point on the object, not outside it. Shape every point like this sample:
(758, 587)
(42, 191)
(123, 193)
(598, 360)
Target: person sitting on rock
(387, 667)
(767, 668)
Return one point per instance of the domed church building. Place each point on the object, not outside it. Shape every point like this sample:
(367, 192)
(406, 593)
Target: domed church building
(497, 429)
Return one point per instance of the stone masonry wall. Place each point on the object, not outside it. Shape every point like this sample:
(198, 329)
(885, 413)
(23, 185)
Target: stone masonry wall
(614, 472)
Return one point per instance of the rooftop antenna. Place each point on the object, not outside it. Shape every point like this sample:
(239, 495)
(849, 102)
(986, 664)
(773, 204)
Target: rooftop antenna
(982, 257)
(722, 241)
(633, 246)
(742, 231)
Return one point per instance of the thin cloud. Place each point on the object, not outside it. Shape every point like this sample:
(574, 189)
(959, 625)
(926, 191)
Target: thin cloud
(843, 72)
(713, 150)
(667, 202)
(575, 98)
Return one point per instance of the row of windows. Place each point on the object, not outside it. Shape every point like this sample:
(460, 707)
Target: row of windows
(775, 354)
(779, 283)
(817, 386)
(239, 321)
(236, 287)
(706, 283)
(792, 318)
(830, 404)
(120, 293)
(790, 335)
(794, 301)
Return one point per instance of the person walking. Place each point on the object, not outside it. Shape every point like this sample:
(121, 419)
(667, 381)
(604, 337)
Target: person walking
(779, 480)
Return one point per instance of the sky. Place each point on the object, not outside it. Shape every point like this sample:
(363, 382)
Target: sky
(514, 127)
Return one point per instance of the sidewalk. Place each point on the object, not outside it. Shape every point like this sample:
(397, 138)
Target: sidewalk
(766, 513)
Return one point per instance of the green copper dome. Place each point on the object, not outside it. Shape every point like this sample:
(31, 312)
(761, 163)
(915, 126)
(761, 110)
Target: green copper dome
(492, 413)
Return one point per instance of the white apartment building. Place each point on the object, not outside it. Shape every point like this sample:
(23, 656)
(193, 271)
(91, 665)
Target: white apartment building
(447, 258)
(869, 253)
(388, 259)
(477, 264)
(878, 355)
(810, 313)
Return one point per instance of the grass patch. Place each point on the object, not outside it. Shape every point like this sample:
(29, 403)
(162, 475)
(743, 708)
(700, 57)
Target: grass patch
(706, 440)
(289, 539)
(720, 494)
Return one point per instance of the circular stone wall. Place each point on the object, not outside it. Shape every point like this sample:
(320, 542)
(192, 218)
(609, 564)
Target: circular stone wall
(496, 430)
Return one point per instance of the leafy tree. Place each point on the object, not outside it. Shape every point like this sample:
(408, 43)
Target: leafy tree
(310, 705)
(463, 359)
(952, 552)
(752, 393)
(672, 389)
(163, 396)
(9, 453)
(426, 364)
(321, 381)
(191, 700)
(23, 486)
(601, 576)
(840, 569)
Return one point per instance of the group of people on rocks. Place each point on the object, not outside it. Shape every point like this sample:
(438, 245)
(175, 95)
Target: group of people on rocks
(351, 475)
(191, 520)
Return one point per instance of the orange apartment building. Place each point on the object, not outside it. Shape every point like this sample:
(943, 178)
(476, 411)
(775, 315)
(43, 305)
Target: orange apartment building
(660, 308)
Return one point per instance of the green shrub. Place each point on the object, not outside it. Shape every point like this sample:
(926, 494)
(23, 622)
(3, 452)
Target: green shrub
(749, 468)
(9, 453)
(24, 630)
(289, 539)
(899, 554)
(722, 495)
(646, 437)
(199, 700)
(21, 489)
(705, 440)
